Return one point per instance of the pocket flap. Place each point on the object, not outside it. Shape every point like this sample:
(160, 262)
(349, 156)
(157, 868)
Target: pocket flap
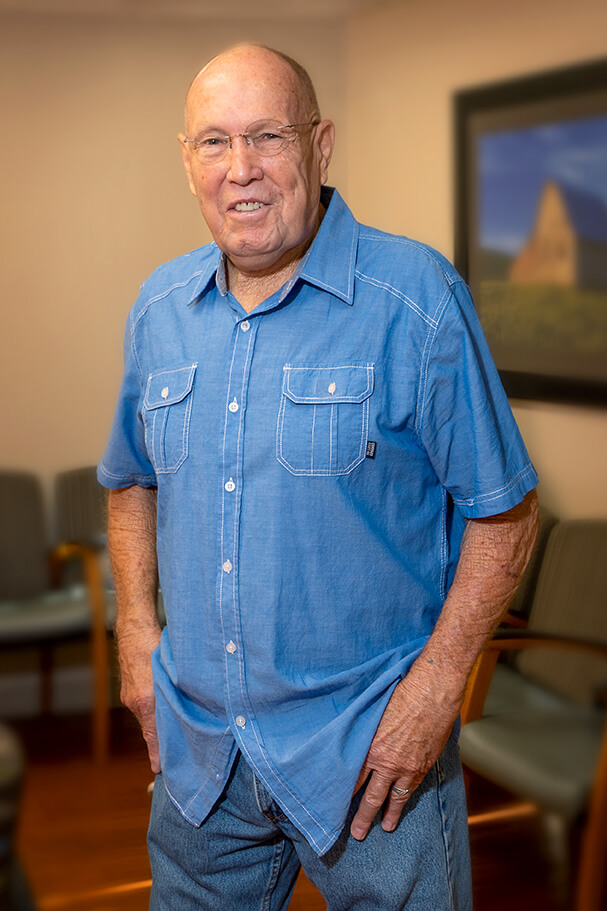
(327, 385)
(169, 386)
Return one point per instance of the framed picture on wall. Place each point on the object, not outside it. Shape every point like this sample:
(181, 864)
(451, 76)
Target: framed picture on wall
(531, 228)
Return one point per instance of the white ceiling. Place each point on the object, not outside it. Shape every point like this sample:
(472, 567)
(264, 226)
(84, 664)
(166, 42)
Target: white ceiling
(196, 9)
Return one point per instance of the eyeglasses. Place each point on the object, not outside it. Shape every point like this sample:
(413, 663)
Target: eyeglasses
(267, 137)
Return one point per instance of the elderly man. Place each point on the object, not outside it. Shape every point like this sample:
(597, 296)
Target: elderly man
(312, 445)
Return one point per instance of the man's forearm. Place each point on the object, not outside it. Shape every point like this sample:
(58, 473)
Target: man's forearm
(132, 542)
(493, 557)
(422, 709)
(132, 546)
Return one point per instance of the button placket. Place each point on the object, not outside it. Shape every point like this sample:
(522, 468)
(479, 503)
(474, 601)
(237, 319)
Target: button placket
(232, 461)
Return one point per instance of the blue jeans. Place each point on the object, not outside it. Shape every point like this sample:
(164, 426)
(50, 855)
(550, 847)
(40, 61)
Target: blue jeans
(247, 854)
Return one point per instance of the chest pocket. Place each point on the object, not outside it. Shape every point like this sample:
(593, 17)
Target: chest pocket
(323, 419)
(167, 407)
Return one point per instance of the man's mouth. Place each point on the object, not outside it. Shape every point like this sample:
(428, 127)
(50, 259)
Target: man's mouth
(248, 206)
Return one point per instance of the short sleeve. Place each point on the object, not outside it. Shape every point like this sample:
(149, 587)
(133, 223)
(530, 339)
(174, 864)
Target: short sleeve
(125, 461)
(465, 420)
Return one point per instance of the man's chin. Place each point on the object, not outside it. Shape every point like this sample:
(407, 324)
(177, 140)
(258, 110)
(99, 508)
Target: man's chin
(251, 259)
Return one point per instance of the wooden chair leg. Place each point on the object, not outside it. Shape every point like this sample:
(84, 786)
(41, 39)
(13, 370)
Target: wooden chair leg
(478, 686)
(46, 679)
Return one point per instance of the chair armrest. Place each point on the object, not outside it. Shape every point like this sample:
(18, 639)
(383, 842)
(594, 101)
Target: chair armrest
(513, 620)
(514, 640)
(93, 575)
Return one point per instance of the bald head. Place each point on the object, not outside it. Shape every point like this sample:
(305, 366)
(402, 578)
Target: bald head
(262, 207)
(255, 57)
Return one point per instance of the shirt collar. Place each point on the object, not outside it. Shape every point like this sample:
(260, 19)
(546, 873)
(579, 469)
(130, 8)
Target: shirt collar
(207, 276)
(329, 263)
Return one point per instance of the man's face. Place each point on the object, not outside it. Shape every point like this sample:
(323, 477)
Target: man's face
(238, 89)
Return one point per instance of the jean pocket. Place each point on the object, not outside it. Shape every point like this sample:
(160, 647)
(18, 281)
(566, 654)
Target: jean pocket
(167, 406)
(323, 419)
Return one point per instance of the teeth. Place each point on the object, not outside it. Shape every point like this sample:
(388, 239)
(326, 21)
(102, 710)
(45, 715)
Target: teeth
(248, 206)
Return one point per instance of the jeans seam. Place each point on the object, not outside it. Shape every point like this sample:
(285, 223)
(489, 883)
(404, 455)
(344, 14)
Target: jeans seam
(440, 779)
(274, 874)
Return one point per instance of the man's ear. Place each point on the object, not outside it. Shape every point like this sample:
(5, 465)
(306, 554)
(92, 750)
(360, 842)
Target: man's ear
(325, 138)
(187, 162)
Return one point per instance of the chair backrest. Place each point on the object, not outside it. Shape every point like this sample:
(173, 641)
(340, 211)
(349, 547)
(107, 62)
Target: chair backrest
(523, 600)
(571, 600)
(24, 567)
(80, 506)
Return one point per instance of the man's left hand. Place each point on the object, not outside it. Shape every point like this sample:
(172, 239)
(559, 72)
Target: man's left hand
(419, 717)
(410, 737)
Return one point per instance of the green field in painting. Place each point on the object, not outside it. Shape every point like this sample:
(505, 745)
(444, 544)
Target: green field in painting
(544, 318)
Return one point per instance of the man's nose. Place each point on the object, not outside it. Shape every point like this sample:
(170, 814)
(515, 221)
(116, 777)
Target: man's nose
(244, 161)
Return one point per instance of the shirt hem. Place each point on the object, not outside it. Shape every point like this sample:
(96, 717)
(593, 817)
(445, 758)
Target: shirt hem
(118, 482)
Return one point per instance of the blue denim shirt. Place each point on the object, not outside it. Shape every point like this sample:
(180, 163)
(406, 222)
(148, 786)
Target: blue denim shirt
(315, 461)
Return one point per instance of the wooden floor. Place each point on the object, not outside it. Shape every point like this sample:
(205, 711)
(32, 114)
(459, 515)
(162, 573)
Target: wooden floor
(82, 831)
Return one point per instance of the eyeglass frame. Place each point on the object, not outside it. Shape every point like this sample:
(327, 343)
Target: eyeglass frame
(246, 136)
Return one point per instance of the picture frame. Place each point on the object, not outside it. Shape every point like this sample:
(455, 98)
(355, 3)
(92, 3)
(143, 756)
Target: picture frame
(531, 228)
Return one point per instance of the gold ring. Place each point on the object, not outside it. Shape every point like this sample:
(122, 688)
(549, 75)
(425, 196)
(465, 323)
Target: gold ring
(399, 791)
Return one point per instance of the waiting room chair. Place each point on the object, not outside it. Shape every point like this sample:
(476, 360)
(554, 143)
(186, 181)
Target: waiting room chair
(35, 609)
(81, 518)
(521, 604)
(537, 727)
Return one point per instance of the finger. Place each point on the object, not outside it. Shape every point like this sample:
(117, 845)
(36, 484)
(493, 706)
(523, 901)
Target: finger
(151, 739)
(370, 804)
(395, 808)
(364, 774)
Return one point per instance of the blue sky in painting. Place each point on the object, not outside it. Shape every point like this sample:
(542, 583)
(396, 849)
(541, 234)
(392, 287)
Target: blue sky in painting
(514, 164)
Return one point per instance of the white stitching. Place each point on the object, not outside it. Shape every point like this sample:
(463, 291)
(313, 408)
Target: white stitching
(499, 492)
(398, 294)
(125, 477)
(425, 363)
(330, 471)
(156, 441)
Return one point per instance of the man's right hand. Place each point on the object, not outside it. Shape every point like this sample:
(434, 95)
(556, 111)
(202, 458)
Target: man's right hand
(137, 689)
(132, 544)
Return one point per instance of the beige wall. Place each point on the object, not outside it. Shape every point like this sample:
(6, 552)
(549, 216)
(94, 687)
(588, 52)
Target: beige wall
(94, 197)
(404, 63)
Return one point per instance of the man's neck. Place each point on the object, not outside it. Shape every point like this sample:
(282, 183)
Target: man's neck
(252, 288)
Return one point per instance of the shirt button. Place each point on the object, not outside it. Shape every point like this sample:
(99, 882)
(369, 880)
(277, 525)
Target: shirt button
(245, 326)
(227, 567)
(233, 406)
(231, 647)
(240, 721)
(165, 392)
(230, 486)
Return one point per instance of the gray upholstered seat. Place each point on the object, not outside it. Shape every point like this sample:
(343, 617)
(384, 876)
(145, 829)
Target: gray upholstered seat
(54, 614)
(540, 732)
(536, 744)
(35, 609)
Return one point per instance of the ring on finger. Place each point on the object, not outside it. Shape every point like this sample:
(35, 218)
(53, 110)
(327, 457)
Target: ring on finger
(400, 792)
